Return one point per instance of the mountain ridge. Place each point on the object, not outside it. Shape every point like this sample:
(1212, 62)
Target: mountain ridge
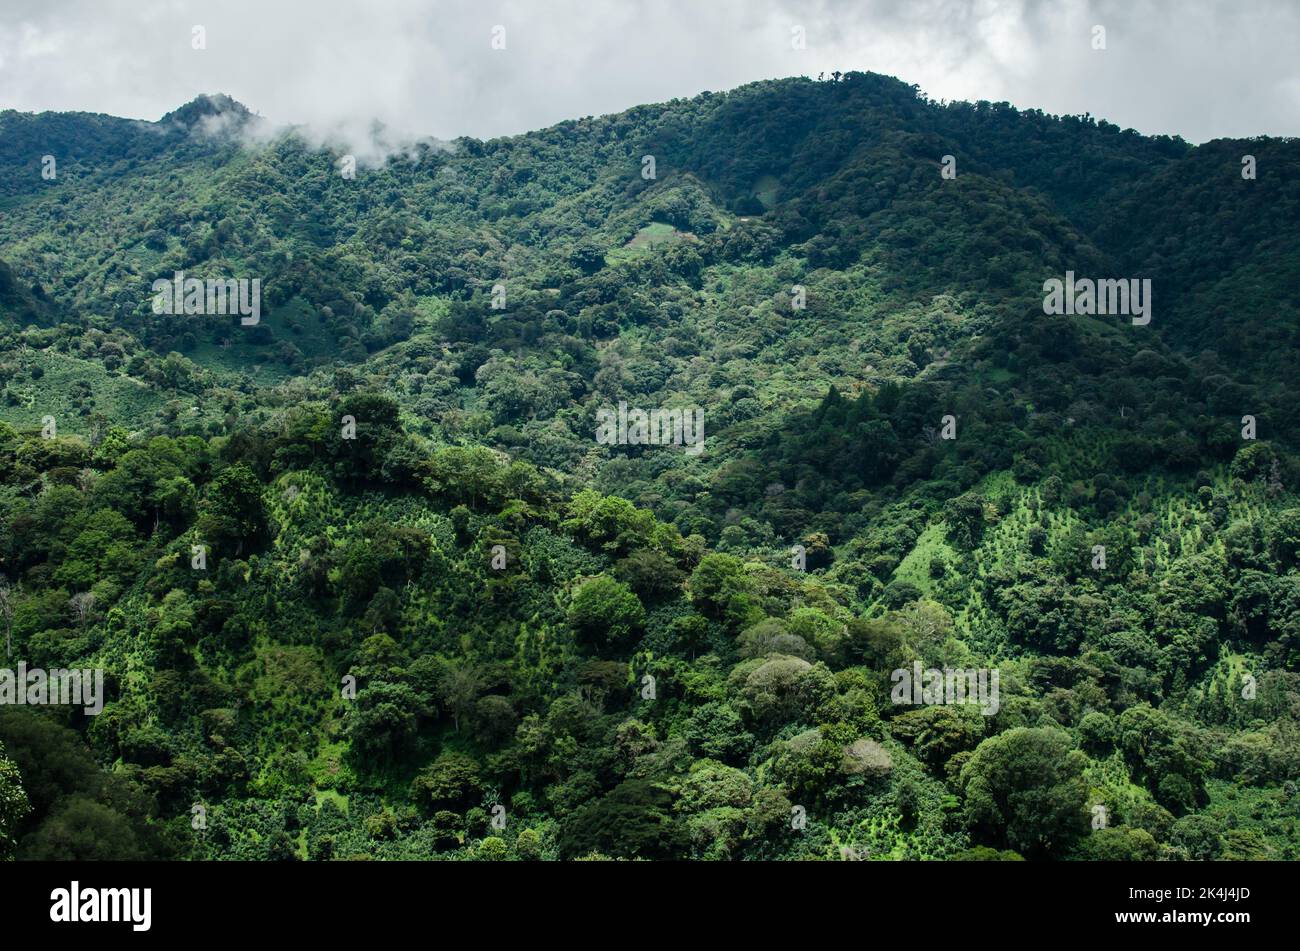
(395, 476)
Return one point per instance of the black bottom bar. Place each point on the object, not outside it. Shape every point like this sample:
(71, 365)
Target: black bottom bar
(862, 899)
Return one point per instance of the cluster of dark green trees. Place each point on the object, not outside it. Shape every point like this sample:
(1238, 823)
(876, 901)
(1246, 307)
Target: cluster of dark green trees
(433, 618)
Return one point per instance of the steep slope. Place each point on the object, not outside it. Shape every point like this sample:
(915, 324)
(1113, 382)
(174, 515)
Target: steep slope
(634, 650)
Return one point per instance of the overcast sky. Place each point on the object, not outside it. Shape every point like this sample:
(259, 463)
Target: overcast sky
(1194, 68)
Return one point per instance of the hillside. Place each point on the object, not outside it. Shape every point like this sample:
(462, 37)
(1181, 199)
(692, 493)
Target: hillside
(439, 617)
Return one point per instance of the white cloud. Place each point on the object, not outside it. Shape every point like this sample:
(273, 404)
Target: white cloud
(1197, 68)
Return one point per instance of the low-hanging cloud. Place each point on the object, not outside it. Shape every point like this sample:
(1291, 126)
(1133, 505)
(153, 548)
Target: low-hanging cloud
(1197, 69)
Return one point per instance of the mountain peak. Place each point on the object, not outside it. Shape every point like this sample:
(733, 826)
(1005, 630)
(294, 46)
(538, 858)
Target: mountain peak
(206, 106)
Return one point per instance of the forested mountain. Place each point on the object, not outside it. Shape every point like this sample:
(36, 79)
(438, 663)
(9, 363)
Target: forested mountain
(366, 582)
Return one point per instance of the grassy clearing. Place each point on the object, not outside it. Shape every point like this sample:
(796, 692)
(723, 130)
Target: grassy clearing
(654, 235)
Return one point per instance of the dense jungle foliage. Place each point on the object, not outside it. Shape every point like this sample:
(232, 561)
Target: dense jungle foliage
(474, 632)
